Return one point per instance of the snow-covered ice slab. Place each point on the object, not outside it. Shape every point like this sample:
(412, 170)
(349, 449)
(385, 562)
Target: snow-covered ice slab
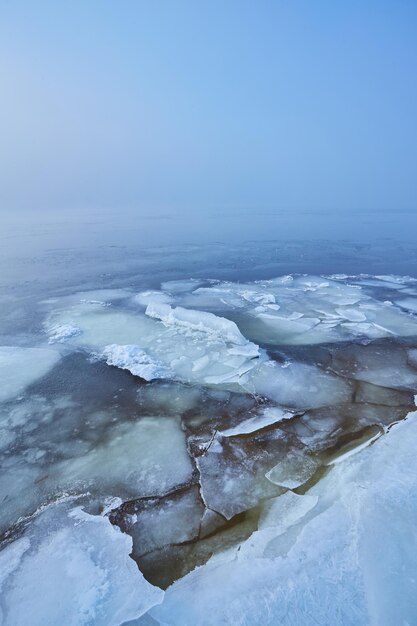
(192, 346)
(136, 361)
(198, 347)
(20, 367)
(72, 568)
(63, 332)
(346, 557)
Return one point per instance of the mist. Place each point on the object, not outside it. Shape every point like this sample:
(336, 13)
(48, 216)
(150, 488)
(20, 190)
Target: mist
(186, 112)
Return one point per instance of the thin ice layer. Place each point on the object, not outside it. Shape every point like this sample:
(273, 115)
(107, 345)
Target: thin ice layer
(20, 367)
(154, 524)
(131, 459)
(72, 568)
(299, 385)
(147, 457)
(232, 471)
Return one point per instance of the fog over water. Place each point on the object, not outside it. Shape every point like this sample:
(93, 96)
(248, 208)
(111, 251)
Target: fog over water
(208, 313)
(30, 238)
(163, 123)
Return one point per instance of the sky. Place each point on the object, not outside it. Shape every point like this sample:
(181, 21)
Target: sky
(208, 106)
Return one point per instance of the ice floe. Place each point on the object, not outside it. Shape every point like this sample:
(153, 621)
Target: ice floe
(178, 343)
(45, 452)
(135, 461)
(410, 304)
(308, 309)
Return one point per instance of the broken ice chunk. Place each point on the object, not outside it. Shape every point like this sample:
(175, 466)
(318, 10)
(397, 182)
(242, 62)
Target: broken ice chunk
(146, 297)
(136, 361)
(294, 470)
(410, 304)
(181, 286)
(288, 325)
(258, 297)
(270, 415)
(63, 332)
(353, 315)
(202, 321)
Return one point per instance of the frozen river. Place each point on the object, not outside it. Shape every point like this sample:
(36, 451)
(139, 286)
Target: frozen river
(229, 410)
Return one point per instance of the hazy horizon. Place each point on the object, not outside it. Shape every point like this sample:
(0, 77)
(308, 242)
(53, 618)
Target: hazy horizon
(209, 109)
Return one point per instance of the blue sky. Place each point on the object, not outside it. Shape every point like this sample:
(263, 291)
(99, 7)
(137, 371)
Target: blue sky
(208, 106)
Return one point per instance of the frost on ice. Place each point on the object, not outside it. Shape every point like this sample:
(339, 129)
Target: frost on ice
(72, 568)
(135, 360)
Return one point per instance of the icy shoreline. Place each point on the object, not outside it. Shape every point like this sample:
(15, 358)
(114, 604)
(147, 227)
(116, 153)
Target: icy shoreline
(247, 439)
(344, 553)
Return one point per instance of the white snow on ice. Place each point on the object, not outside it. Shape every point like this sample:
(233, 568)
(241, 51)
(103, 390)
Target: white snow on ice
(72, 568)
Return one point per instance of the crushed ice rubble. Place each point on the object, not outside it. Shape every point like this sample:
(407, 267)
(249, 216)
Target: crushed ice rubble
(257, 480)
